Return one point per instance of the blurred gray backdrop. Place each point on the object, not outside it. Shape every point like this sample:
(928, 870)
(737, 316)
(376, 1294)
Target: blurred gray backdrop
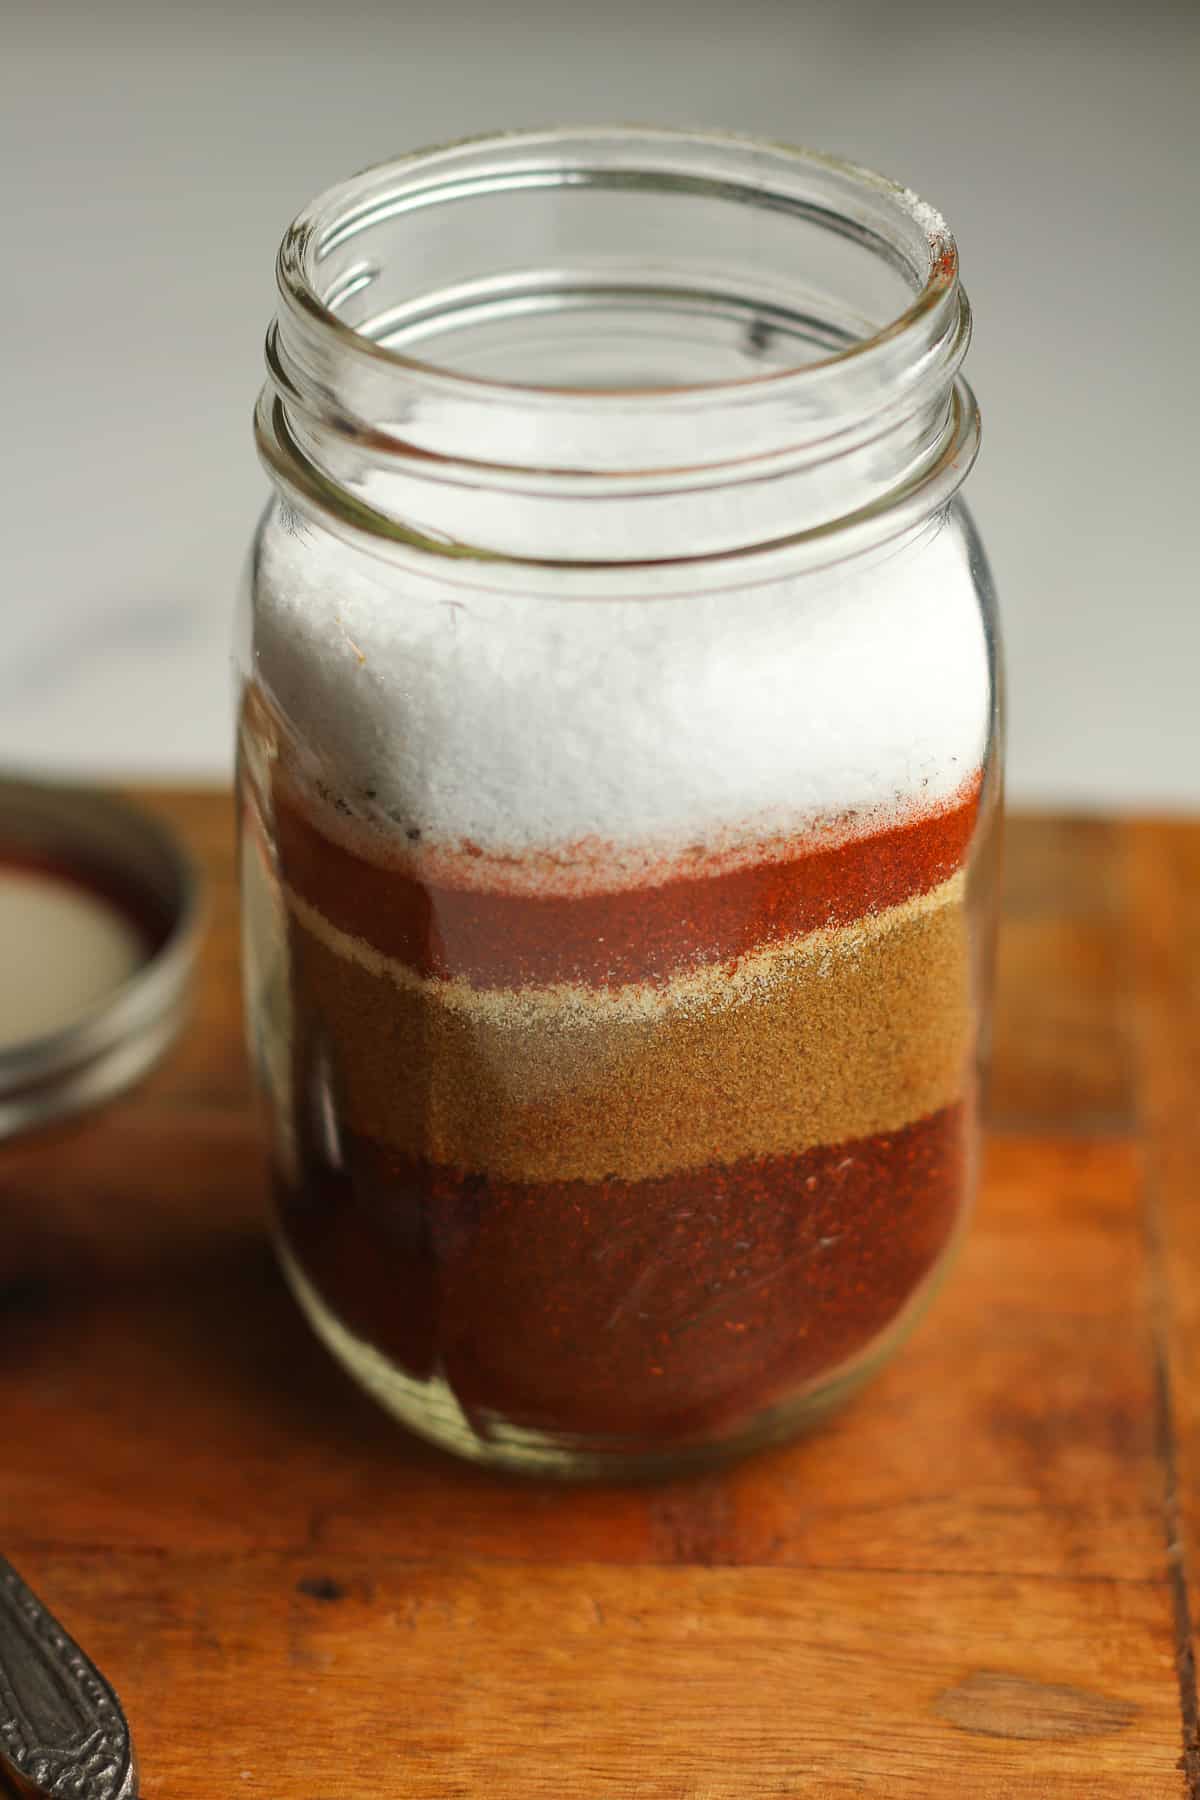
(154, 153)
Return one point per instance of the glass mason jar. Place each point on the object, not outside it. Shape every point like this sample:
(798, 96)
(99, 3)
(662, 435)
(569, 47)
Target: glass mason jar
(619, 762)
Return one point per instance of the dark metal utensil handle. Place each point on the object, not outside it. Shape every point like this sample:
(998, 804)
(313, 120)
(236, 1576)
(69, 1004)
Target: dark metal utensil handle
(63, 1735)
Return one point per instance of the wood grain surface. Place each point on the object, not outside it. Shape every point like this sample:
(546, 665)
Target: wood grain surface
(973, 1582)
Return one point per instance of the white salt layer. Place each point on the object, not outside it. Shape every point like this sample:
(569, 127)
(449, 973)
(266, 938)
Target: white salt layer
(523, 724)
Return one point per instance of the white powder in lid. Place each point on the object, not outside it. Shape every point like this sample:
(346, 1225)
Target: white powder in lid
(519, 724)
(63, 950)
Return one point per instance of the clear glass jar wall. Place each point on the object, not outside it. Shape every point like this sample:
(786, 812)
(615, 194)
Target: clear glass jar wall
(618, 769)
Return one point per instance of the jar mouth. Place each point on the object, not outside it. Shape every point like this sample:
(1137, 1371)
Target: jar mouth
(651, 346)
(914, 232)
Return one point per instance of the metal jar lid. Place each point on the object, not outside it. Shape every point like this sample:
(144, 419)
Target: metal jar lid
(129, 862)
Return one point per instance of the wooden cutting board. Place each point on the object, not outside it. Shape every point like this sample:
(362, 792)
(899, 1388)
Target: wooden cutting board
(974, 1582)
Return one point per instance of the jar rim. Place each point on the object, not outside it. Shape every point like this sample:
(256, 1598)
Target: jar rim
(861, 421)
(350, 205)
(876, 527)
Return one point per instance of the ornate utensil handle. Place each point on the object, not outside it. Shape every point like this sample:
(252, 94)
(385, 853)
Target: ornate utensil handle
(63, 1735)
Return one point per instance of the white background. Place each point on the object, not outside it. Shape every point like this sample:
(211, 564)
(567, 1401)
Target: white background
(154, 153)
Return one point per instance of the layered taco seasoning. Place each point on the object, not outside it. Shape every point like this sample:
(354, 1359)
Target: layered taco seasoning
(616, 928)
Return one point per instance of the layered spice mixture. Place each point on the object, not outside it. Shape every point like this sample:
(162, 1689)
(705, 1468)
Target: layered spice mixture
(610, 973)
(635, 1164)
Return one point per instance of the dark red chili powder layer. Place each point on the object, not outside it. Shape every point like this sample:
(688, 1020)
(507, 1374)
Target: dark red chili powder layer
(648, 933)
(656, 1309)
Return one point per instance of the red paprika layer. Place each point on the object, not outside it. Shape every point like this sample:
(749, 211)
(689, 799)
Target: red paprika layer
(659, 1308)
(645, 933)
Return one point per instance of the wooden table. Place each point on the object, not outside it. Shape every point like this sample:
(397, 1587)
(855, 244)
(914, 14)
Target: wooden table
(975, 1582)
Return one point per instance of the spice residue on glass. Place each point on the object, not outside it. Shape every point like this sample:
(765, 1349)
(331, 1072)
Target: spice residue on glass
(627, 1083)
